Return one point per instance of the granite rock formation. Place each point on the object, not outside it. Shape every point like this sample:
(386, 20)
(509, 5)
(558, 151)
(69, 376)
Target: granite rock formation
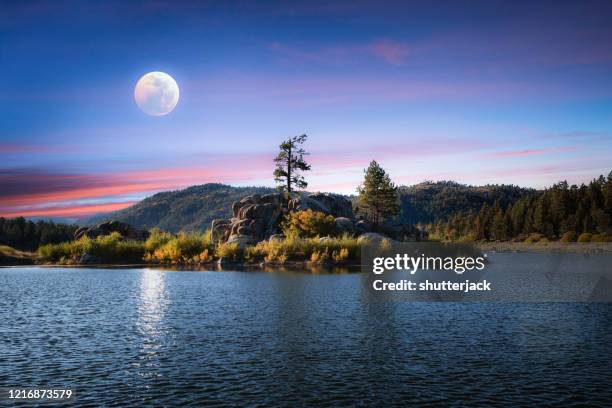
(257, 217)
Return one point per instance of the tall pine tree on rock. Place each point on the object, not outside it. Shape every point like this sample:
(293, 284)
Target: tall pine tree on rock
(290, 163)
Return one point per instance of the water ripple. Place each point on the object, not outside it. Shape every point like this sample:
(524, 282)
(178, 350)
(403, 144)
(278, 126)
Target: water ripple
(150, 337)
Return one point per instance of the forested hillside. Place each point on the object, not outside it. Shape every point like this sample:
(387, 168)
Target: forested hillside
(569, 212)
(28, 235)
(194, 208)
(191, 209)
(448, 209)
(429, 202)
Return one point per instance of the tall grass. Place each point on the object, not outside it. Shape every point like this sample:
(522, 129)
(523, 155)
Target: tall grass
(195, 248)
(106, 248)
(316, 250)
(160, 247)
(185, 247)
(229, 250)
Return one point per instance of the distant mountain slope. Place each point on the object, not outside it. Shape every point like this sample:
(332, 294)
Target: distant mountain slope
(195, 207)
(430, 201)
(190, 209)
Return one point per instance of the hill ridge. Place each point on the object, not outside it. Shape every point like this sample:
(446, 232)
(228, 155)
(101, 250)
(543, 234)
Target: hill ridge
(194, 208)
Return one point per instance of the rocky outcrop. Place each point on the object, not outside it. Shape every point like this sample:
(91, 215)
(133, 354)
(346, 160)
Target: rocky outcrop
(333, 204)
(106, 228)
(220, 230)
(362, 226)
(242, 240)
(257, 217)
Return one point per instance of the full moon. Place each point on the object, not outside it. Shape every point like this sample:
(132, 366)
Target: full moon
(156, 93)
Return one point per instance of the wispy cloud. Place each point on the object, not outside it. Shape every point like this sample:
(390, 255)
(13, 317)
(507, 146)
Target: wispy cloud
(386, 50)
(532, 152)
(580, 135)
(12, 148)
(72, 211)
(394, 52)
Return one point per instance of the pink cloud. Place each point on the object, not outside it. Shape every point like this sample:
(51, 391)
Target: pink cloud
(532, 152)
(73, 211)
(33, 192)
(391, 51)
(388, 50)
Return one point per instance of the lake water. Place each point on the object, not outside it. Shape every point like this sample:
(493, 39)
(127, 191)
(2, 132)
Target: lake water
(128, 337)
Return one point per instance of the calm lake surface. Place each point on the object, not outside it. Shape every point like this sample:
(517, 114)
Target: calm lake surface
(127, 337)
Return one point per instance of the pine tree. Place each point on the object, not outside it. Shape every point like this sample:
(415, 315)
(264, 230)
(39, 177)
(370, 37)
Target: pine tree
(607, 193)
(290, 163)
(485, 222)
(378, 195)
(497, 226)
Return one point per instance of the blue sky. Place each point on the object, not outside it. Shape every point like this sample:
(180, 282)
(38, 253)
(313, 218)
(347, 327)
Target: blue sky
(477, 92)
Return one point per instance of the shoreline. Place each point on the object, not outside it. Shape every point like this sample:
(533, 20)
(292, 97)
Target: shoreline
(551, 246)
(492, 247)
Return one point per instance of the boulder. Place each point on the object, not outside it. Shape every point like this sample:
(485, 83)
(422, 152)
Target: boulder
(362, 226)
(255, 218)
(274, 199)
(333, 204)
(242, 240)
(344, 225)
(219, 229)
(106, 228)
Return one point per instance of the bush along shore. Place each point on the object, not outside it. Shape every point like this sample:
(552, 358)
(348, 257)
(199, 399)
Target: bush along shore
(162, 248)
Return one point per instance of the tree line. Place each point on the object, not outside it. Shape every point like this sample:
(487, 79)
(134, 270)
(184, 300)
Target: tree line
(27, 235)
(559, 211)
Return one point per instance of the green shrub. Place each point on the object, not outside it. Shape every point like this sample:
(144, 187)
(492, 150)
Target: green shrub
(229, 250)
(107, 248)
(192, 247)
(340, 255)
(584, 237)
(320, 256)
(569, 236)
(316, 250)
(157, 239)
(54, 252)
(308, 224)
